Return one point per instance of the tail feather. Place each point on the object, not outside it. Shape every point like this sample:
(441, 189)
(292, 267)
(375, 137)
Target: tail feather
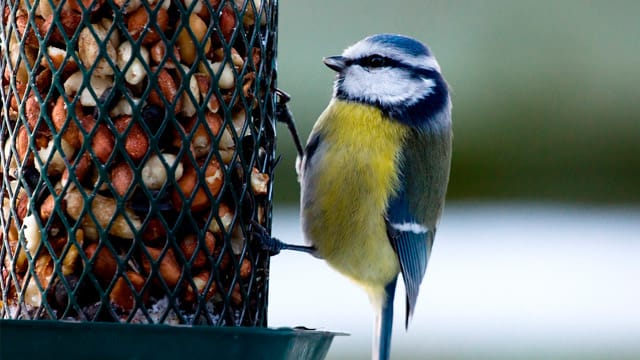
(384, 325)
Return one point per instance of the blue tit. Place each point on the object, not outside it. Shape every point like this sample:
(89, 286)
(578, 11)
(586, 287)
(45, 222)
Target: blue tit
(375, 170)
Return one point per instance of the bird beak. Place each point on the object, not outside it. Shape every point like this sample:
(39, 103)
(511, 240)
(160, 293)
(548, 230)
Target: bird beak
(336, 63)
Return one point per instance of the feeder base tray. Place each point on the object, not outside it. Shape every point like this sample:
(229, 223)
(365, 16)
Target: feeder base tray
(39, 339)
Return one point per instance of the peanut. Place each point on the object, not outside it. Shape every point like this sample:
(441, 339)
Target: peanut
(136, 141)
(22, 146)
(198, 257)
(169, 91)
(200, 280)
(47, 208)
(104, 266)
(92, 5)
(70, 22)
(154, 173)
(102, 141)
(153, 231)
(82, 166)
(201, 141)
(168, 267)
(138, 23)
(228, 22)
(70, 134)
(236, 295)
(245, 268)
(89, 50)
(159, 53)
(122, 295)
(188, 43)
(226, 219)
(203, 82)
(121, 178)
(135, 71)
(189, 108)
(105, 211)
(259, 182)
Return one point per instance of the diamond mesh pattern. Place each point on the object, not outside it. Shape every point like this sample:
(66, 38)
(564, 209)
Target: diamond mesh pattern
(137, 148)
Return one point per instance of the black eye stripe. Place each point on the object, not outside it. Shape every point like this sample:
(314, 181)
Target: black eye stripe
(389, 62)
(374, 61)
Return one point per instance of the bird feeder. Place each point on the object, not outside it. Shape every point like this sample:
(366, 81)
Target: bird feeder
(138, 150)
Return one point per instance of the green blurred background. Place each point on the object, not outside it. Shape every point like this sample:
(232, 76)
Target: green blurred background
(546, 93)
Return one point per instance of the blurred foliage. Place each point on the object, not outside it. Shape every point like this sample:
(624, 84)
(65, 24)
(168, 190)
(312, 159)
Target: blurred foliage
(546, 93)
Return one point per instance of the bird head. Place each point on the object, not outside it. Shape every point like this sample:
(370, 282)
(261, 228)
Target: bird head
(395, 73)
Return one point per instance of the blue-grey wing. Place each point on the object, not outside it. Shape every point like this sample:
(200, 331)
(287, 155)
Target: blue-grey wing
(413, 212)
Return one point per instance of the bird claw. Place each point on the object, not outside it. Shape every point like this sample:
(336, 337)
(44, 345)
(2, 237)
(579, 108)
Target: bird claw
(273, 246)
(268, 243)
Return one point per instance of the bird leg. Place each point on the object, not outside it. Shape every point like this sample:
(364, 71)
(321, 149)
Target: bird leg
(284, 115)
(274, 245)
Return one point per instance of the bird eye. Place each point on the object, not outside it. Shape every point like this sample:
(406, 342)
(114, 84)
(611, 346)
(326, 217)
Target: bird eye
(375, 61)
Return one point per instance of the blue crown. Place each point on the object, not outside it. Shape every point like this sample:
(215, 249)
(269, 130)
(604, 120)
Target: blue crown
(403, 43)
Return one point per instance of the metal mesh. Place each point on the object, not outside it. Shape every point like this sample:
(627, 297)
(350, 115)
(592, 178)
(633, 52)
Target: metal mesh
(137, 150)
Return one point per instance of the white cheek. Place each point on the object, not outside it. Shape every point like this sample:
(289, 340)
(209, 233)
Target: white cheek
(388, 85)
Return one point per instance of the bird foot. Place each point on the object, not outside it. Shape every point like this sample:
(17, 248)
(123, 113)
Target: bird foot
(273, 245)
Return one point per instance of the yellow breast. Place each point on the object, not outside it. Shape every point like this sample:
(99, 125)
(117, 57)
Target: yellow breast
(347, 187)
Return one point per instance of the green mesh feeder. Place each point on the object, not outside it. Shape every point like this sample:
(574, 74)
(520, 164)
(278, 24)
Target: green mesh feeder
(137, 158)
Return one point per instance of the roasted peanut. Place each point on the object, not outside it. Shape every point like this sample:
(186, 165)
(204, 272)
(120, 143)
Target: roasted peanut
(44, 8)
(135, 71)
(188, 43)
(54, 158)
(98, 84)
(123, 107)
(203, 82)
(79, 5)
(159, 53)
(259, 182)
(70, 134)
(121, 178)
(43, 273)
(153, 231)
(102, 140)
(22, 205)
(191, 252)
(138, 24)
(201, 140)
(136, 141)
(82, 166)
(128, 6)
(154, 173)
(187, 187)
(105, 211)
(70, 259)
(169, 91)
(200, 280)
(168, 266)
(245, 268)
(189, 107)
(256, 56)
(214, 177)
(252, 13)
(224, 72)
(22, 146)
(228, 22)
(104, 262)
(226, 219)
(25, 31)
(69, 19)
(47, 208)
(236, 295)
(122, 295)
(89, 50)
